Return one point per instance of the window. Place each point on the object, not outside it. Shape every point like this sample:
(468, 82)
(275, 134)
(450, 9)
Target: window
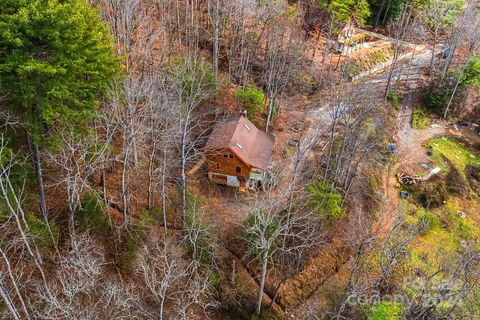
(239, 145)
(246, 126)
(225, 154)
(218, 165)
(230, 155)
(238, 169)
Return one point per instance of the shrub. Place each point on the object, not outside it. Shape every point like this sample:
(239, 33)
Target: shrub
(93, 214)
(429, 220)
(292, 13)
(325, 200)
(420, 119)
(394, 98)
(129, 253)
(303, 82)
(385, 310)
(436, 101)
(251, 99)
(471, 74)
(39, 230)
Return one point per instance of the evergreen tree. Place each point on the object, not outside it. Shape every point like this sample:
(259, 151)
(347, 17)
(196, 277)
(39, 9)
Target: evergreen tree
(56, 59)
(340, 11)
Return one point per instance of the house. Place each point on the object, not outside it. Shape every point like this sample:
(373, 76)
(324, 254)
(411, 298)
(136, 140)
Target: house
(349, 40)
(238, 154)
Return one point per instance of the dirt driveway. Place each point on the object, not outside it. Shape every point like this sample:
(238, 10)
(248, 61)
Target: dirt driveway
(410, 153)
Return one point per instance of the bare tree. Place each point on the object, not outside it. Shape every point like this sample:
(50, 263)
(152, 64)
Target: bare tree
(172, 280)
(195, 83)
(473, 44)
(12, 198)
(438, 16)
(401, 31)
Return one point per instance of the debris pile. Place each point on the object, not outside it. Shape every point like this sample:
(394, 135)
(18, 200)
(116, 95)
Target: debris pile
(406, 179)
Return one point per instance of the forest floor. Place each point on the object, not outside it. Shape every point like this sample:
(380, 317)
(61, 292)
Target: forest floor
(314, 111)
(410, 74)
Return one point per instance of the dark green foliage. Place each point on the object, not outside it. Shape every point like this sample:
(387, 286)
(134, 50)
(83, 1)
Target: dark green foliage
(395, 99)
(213, 276)
(146, 219)
(340, 11)
(390, 11)
(93, 214)
(436, 100)
(471, 74)
(129, 253)
(56, 56)
(39, 230)
(325, 200)
(251, 99)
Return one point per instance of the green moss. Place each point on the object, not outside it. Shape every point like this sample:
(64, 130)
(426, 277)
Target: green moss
(455, 151)
(430, 219)
(385, 310)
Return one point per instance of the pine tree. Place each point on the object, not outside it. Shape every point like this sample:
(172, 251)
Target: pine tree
(340, 11)
(56, 59)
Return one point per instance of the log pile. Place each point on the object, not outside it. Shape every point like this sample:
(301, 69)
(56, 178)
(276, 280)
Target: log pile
(406, 179)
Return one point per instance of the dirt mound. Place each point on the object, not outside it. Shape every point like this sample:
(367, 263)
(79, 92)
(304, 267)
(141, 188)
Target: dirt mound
(238, 290)
(473, 177)
(320, 269)
(432, 193)
(456, 183)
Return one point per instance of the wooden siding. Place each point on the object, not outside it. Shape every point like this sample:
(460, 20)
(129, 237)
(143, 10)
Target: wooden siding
(227, 164)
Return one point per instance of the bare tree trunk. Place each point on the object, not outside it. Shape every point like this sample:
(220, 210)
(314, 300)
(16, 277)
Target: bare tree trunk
(216, 27)
(164, 189)
(377, 18)
(6, 298)
(455, 89)
(14, 283)
(38, 169)
(435, 32)
(183, 168)
(150, 174)
(263, 276)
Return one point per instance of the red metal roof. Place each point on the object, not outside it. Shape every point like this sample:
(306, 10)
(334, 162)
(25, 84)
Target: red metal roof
(251, 145)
